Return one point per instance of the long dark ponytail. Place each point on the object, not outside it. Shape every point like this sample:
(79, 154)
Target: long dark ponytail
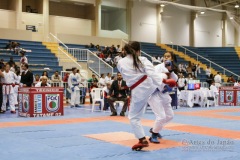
(131, 49)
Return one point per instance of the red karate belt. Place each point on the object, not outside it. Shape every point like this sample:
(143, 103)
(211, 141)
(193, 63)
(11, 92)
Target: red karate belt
(138, 82)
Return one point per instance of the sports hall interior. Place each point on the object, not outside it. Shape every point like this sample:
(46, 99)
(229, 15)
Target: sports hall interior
(57, 35)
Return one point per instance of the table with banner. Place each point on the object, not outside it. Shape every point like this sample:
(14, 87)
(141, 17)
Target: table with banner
(40, 101)
(229, 96)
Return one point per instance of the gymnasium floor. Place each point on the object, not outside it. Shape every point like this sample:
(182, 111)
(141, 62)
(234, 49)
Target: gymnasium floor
(194, 134)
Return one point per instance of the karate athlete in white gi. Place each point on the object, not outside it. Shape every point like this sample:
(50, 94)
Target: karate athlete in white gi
(73, 83)
(139, 74)
(160, 101)
(8, 81)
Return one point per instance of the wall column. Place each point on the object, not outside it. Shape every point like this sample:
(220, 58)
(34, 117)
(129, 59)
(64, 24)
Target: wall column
(45, 20)
(129, 17)
(193, 16)
(18, 14)
(159, 21)
(98, 17)
(224, 27)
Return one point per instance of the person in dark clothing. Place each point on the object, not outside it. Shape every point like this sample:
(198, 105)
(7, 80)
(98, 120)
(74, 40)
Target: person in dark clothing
(210, 79)
(118, 92)
(26, 76)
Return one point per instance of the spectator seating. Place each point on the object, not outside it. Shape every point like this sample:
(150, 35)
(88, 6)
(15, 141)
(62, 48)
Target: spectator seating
(223, 56)
(39, 58)
(154, 50)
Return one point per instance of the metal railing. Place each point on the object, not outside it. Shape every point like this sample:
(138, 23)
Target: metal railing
(202, 59)
(79, 54)
(95, 64)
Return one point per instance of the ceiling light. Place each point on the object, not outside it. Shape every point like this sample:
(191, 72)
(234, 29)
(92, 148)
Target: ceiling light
(202, 12)
(236, 5)
(231, 17)
(162, 5)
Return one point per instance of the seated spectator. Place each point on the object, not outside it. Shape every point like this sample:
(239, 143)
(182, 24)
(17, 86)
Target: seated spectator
(118, 49)
(210, 79)
(106, 91)
(13, 67)
(117, 58)
(102, 81)
(91, 80)
(109, 60)
(108, 78)
(56, 79)
(43, 83)
(208, 71)
(113, 78)
(94, 85)
(11, 61)
(9, 45)
(91, 45)
(36, 79)
(23, 59)
(118, 92)
(110, 52)
(101, 55)
(181, 82)
(231, 79)
(45, 73)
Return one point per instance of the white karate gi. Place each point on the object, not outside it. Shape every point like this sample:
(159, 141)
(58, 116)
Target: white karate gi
(8, 90)
(73, 81)
(161, 102)
(141, 93)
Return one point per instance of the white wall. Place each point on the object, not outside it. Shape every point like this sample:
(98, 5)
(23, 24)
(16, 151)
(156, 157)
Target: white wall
(114, 3)
(143, 22)
(7, 18)
(230, 39)
(35, 20)
(208, 30)
(6, 33)
(86, 40)
(67, 25)
(175, 26)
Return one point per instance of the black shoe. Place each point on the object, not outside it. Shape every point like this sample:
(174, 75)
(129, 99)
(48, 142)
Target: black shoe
(159, 135)
(114, 114)
(122, 114)
(72, 106)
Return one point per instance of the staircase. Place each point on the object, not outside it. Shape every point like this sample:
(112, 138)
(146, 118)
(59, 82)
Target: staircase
(192, 60)
(237, 49)
(66, 59)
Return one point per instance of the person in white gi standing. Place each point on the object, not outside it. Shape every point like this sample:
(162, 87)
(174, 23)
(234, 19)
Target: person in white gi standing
(139, 74)
(73, 83)
(218, 80)
(160, 101)
(8, 81)
(17, 83)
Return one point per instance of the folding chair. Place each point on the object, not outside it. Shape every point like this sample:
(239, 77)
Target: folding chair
(97, 96)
